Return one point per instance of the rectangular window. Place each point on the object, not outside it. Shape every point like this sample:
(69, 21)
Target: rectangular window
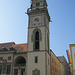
(15, 71)
(8, 69)
(37, 45)
(37, 4)
(9, 58)
(48, 61)
(0, 68)
(36, 59)
(23, 72)
(1, 58)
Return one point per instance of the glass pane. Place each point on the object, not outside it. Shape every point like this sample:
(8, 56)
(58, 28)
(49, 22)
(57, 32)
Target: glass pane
(37, 36)
(0, 69)
(36, 59)
(37, 45)
(15, 71)
(23, 72)
(8, 69)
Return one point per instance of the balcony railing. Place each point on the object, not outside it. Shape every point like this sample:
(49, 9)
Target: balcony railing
(16, 65)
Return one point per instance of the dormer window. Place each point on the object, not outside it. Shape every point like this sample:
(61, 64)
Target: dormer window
(37, 4)
(4, 49)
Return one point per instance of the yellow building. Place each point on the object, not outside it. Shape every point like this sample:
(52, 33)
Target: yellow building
(63, 61)
(72, 49)
(55, 64)
(62, 69)
(58, 65)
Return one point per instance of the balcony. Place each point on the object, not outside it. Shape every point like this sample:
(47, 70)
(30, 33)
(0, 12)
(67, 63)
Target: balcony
(17, 65)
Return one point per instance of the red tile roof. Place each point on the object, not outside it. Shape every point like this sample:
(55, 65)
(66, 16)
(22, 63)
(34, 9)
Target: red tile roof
(6, 45)
(18, 47)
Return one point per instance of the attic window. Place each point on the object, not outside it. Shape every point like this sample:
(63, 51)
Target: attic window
(4, 49)
(11, 48)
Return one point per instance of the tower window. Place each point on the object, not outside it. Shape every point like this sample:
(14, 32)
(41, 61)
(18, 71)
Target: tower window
(37, 40)
(36, 59)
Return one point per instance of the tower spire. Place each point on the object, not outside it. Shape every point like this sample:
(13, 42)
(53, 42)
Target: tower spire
(38, 4)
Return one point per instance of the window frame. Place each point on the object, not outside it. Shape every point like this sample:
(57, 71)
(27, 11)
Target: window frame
(36, 41)
(9, 58)
(8, 70)
(36, 59)
(1, 68)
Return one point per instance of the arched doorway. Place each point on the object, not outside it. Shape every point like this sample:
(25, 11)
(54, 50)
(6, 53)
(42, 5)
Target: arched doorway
(19, 65)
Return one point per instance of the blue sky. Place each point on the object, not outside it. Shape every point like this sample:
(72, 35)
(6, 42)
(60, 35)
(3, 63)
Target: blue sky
(14, 23)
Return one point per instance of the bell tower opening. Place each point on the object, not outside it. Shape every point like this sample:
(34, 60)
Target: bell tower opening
(37, 40)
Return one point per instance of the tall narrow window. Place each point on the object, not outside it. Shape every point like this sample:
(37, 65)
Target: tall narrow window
(22, 71)
(0, 68)
(15, 71)
(36, 59)
(37, 40)
(8, 69)
(37, 4)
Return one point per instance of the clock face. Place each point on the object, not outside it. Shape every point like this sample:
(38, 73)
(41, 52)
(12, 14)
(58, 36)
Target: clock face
(36, 21)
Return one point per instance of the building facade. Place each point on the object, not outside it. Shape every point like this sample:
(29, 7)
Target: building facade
(72, 49)
(13, 59)
(55, 64)
(62, 69)
(38, 53)
(35, 57)
(67, 69)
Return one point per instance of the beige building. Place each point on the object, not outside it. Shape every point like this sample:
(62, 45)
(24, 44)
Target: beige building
(13, 58)
(55, 64)
(35, 57)
(62, 69)
(66, 66)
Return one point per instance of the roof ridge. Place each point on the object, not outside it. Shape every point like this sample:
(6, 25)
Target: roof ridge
(7, 43)
(21, 44)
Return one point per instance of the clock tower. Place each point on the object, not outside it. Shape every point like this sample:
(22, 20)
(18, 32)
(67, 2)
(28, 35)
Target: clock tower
(38, 55)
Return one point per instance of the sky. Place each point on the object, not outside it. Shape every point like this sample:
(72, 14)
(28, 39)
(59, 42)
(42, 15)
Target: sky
(14, 23)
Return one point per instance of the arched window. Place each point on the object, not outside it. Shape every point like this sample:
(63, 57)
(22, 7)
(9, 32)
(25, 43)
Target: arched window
(37, 40)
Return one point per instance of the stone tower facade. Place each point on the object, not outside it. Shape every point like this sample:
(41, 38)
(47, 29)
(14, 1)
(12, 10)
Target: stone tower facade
(38, 55)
